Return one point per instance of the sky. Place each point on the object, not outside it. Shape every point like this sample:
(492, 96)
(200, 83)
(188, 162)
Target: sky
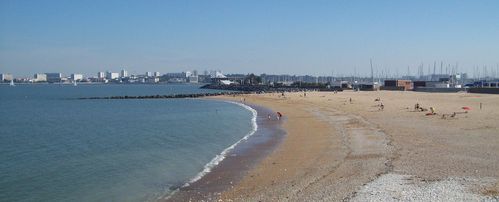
(246, 36)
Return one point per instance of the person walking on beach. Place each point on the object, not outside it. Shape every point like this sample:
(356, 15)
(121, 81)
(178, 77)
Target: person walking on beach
(279, 115)
(381, 107)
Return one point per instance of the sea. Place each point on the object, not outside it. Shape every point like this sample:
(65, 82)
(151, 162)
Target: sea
(55, 147)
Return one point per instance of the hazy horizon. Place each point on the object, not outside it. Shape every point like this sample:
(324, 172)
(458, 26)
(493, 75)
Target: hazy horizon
(274, 37)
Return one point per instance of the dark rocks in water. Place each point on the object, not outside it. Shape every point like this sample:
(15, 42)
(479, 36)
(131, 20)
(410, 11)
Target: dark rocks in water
(163, 96)
(231, 90)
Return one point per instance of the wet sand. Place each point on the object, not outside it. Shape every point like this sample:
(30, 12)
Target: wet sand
(237, 163)
(341, 150)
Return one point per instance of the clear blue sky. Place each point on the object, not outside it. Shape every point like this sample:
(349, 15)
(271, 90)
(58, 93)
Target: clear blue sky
(294, 37)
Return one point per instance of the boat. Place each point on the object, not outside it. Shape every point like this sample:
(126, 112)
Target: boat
(12, 83)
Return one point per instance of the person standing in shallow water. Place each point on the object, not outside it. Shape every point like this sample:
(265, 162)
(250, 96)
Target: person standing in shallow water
(279, 115)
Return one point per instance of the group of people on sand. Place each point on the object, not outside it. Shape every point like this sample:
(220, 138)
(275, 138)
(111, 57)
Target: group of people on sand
(419, 108)
(432, 111)
(381, 105)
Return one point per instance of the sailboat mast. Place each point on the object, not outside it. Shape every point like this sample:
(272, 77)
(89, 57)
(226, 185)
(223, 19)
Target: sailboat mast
(372, 73)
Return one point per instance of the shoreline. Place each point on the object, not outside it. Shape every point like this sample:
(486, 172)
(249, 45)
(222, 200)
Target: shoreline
(336, 149)
(345, 147)
(237, 159)
(317, 144)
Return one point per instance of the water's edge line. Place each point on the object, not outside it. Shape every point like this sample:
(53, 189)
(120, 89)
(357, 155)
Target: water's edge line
(220, 157)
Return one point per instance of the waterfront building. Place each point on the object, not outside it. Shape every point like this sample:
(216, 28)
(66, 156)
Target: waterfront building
(6, 77)
(101, 75)
(204, 79)
(149, 74)
(398, 85)
(124, 73)
(157, 74)
(152, 80)
(193, 79)
(217, 74)
(174, 77)
(40, 78)
(54, 77)
(112, 75)
(76, 77)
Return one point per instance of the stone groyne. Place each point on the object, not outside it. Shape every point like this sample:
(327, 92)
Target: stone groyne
(227, 90)
(194, 95)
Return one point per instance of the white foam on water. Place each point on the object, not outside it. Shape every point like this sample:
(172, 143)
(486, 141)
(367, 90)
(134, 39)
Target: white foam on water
(220, 157)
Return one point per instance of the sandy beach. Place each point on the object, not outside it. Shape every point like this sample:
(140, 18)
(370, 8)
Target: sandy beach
(336, 149)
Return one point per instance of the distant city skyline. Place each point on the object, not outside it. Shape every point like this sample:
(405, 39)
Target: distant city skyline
(274, 37)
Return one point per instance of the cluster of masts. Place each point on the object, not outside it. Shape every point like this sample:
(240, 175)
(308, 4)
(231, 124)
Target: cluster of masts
(433, 70)
(449, 69)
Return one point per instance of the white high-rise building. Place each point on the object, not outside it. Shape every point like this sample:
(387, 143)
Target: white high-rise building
(101, 75)
(76, 77)
(40, 78)
(6, 77)
(157, 74)
(149, 74)
(112, 75)
(124, 73)
(217, 74)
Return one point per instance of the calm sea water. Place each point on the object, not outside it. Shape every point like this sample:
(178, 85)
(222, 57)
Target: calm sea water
(58, 149)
